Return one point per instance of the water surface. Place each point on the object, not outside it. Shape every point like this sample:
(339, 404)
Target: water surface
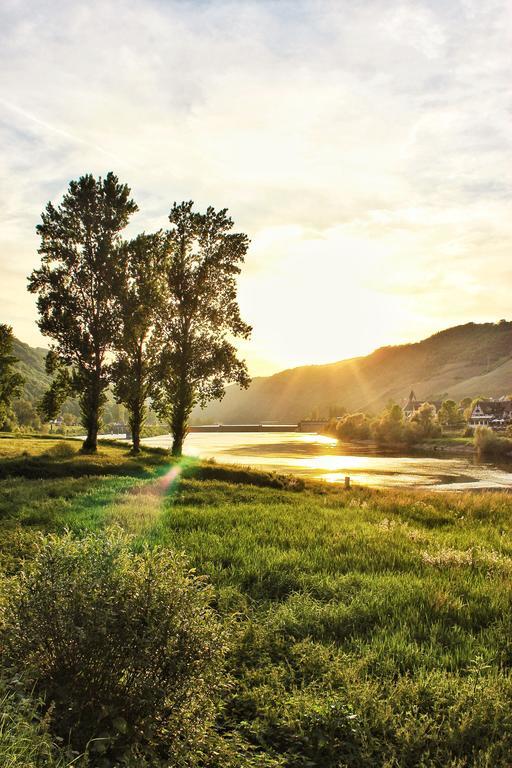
(323, 458)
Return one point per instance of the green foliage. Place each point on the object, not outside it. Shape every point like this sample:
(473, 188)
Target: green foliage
(392, 429)
(24, 738)
(11, 381)
(425, 418)
(450, 415)
(389, 428)
(122, 645)
(198, 316)
(356, 426)
(137, 300)
(31, 365)
(77, 282)
(26, 414)
(62, 386)
(488, 442)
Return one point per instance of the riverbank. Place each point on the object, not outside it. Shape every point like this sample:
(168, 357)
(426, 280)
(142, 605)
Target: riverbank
(463, 446)
(353, 615)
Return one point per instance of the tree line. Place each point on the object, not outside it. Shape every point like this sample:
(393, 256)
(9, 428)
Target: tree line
(155, 318)
(392, 428)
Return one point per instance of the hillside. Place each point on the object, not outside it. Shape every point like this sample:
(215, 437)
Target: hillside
(467, 360)
(31, 365)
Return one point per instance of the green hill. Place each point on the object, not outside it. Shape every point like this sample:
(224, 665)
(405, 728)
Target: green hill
(31, 365)
(467, 360)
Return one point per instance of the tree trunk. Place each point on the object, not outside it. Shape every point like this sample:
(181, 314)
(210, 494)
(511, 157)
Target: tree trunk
(138, 407)
(90, 444)
(91, 404)
(183, 404)
(135, 426)
(180, 413)
(178, 430)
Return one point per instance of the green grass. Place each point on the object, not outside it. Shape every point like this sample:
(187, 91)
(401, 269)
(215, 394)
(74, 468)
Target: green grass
(368, 628)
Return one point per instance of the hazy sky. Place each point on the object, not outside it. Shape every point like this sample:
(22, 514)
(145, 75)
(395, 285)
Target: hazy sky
(364, 146)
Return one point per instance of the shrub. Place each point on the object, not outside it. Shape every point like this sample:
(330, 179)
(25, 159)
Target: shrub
(389, 428)
(122, 645)
(62, 450)
(488, 442)
(356, 426)
(425, 419)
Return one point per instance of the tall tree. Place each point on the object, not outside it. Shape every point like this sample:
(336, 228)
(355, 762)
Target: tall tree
(199, 316)
(425, 417)
(137, 300)
(450, 415)
(77, 284)
(11, 381)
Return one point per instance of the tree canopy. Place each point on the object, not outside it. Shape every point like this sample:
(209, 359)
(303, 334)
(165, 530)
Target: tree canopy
(138, 295)
(76, 286)
(11, 381)
(199, 316)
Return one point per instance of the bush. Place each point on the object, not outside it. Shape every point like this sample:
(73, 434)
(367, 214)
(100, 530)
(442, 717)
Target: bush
(356, 426)
(389, 428)
(123, 646)
(62, 450)
(488, 442)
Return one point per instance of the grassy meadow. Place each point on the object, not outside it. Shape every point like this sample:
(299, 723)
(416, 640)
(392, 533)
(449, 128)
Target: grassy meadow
(366, 628)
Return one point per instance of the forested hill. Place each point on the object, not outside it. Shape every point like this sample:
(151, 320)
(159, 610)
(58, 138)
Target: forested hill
(31, 365)
(467, 360)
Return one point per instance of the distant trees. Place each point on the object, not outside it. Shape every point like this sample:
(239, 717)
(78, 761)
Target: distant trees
(488, 443)
(198, 316)
(389, 428)
(11, 381)
(450, 414)
(26, 414)
(425, 418)
(356, 426)
(76, 287)
(155, 317)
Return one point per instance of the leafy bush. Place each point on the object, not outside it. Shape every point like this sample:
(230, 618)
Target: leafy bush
(62, 450)
(355, 426)
(389, 428)
(488, 442)
(122, 645)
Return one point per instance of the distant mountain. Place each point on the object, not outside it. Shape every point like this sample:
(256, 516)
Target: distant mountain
(467, 360)
(31, 365)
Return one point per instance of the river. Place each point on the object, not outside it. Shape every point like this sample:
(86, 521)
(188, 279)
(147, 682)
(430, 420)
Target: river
(323, 458)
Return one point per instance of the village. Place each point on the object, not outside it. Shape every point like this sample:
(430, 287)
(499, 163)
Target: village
(485, 412)
(468, 414)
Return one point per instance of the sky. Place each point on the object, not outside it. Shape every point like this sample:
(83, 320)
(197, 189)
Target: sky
(363, 145)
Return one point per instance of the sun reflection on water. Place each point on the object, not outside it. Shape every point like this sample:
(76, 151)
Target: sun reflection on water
(323, 458)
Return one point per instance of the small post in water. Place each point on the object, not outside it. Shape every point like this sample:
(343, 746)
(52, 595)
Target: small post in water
(347, 482)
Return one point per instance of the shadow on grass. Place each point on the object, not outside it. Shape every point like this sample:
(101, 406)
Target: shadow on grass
(242, 476)
(50, 466)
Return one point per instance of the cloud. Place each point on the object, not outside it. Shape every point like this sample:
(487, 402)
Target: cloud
(364, 147)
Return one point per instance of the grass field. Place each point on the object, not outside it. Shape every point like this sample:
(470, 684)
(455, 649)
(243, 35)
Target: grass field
(367, 628)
